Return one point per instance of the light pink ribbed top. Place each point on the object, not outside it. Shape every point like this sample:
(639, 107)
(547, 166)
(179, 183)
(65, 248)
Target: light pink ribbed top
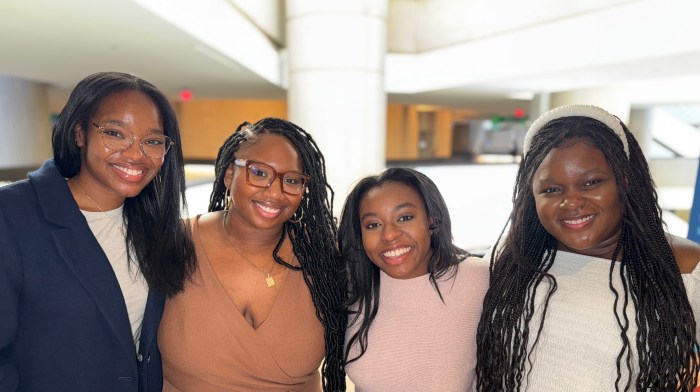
(419, 343)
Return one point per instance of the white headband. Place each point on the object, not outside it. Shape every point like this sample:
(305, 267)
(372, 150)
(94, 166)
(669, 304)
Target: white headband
(590, 111)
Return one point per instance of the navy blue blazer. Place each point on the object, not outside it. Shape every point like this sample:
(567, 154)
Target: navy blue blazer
(63, 320)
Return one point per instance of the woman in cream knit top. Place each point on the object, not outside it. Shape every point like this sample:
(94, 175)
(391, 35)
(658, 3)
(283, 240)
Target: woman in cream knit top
(587, 291)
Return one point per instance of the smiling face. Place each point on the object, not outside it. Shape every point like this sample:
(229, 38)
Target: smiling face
(577, 199)
(395, 233)
(264, 208)
(110, 176)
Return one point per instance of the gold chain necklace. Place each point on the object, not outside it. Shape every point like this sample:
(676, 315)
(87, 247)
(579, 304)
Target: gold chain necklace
(120, 226)
(268, 279)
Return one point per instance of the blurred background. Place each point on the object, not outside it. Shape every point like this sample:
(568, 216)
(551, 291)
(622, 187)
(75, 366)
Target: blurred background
(445, 86)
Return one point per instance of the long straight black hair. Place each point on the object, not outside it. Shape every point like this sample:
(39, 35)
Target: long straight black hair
(161, 241)
(363, 274)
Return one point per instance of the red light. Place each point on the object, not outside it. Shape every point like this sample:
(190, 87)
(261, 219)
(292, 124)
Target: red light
(185, 95)
(519, 113)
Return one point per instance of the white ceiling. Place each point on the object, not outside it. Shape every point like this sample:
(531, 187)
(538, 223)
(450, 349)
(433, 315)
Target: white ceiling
(61, 41)
(639, 45)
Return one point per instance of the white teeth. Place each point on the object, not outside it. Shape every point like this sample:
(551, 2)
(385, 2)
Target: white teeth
(131, 172)
(396, 252)
(269, 210)
(578, 221)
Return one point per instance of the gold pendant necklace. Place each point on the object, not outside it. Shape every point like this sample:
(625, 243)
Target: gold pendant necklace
(120, 226)
(268, 279)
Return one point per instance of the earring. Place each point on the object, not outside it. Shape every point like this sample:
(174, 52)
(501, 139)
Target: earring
(227, 199)
(434, 227)
(227, 196)
(297, 220)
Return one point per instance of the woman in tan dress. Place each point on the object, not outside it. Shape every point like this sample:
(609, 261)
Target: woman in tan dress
(264, 306)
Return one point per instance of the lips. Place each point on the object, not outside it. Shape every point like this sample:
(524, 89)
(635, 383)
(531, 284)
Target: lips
(129, 171)
(395, 256)
(129, 174)
(577, 223)
(267, 211)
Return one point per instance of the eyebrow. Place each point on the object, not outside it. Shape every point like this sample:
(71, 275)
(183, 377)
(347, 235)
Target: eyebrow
(397, 208)
(121, 124)
(596, 170)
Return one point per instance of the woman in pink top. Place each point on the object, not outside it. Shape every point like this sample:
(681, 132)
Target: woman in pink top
(415, 298)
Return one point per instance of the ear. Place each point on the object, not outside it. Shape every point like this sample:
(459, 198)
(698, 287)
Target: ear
(79, 136)
(228, 176)
(431, 225)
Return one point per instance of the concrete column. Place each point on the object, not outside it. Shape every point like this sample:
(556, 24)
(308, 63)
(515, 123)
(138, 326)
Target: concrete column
(611, 99)
(641, 125)
(540, 103)
(336, 92)
(25, 126)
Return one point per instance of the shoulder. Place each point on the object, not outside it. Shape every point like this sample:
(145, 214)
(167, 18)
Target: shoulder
(473, 270)
(475, 264)
(15, 189)
(469, 285)
(210, 221)
(18, 199)
(687, 253)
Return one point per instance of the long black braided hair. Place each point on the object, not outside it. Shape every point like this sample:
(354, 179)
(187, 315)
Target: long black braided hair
(651, 279)
(364, 275)
(313, 239)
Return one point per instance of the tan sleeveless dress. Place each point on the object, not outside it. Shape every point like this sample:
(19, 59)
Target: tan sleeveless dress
(208, 346)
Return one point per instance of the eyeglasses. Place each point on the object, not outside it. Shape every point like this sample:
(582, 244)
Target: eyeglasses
(117, 138)
(261, 175)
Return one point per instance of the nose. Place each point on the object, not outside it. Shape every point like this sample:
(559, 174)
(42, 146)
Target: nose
(390, 232)
(275, 187)
(134, 150)
(572, 200)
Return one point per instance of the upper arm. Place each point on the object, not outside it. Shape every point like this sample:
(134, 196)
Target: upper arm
(10, 287)
(687, 253)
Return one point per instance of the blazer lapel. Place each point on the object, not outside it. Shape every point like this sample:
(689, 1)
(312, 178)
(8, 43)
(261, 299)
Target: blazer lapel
(81, 252)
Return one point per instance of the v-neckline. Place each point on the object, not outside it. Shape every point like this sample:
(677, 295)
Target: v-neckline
(220, 289)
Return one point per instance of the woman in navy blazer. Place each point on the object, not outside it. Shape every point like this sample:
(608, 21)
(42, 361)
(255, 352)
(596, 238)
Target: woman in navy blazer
(92, 242)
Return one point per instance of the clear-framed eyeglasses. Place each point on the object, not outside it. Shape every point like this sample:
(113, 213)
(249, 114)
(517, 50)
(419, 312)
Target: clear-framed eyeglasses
(261, 175)
(118, 138)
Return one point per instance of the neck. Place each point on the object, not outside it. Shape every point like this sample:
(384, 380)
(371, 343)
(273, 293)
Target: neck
(93, 198)
(254, 240)
(604, 251)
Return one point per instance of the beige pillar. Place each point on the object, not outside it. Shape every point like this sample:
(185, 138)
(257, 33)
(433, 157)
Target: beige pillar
(612, 99)
(640, 125)
(25, 124)
(336, 53)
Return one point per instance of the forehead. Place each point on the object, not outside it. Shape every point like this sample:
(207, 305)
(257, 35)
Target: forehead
(388, 196)
(126, 100)
(573, 158)
(127, 106)
(274, 150)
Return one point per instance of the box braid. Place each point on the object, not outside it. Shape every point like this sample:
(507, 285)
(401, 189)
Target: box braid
(650, 276)
(313, 240)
